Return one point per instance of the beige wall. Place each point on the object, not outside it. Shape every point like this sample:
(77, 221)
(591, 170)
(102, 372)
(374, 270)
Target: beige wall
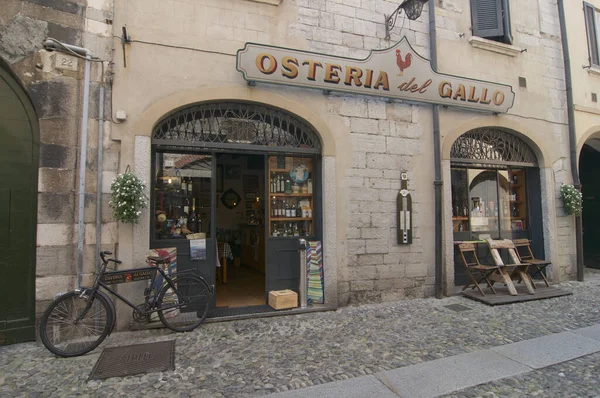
(367, 140)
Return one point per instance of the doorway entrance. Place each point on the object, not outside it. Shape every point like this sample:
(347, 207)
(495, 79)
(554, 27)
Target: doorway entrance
(589, 169)
(256, 189)
(19, 154)
(240, 219)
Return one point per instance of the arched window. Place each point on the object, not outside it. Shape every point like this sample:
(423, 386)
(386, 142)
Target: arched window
(489, 182)
(236, 125)
(491, 146)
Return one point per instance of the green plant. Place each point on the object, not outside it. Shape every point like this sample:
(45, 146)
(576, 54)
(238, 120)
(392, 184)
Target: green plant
(572, 199)
(127, 197)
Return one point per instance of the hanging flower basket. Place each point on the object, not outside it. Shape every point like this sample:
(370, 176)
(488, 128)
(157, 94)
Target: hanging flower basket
(572, 199)
(127, 197)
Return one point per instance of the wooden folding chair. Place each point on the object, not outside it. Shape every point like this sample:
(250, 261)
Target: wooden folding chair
(525, 254)
(477, 272)
(508, 272)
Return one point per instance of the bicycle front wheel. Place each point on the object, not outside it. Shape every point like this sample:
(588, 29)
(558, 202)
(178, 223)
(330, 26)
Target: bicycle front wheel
(184, 308)
(73, 325)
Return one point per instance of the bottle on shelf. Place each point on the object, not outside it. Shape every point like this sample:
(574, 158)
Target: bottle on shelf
(298, 209)
(186, 207)
(288, 212)
(192, 220)
(296, 230)
(288, 186)
(465, 211)
(183, 186)
(273, 208)
(189, 187)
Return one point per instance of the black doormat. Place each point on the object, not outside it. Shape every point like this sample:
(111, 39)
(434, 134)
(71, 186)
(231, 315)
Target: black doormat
(457, 307)
(503, 297)
(219, 312)
(135, 359)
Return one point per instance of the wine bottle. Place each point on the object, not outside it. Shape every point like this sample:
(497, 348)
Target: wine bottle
(189, 187)
(298, 209)
(274, 208)
(183, 186)
(192, 220)
(287, 210)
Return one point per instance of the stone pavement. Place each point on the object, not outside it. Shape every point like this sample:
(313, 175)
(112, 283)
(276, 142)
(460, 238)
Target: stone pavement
(272, 355)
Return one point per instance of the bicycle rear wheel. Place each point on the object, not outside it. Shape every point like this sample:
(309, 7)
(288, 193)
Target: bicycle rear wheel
(185, 308)
(64, 334)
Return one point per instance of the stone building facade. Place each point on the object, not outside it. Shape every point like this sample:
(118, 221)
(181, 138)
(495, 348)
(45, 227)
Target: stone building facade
(54, 82)
(189, 58)
(181, 54)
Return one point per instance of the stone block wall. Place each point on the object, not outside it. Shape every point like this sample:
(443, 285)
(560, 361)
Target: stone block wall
(56, 91)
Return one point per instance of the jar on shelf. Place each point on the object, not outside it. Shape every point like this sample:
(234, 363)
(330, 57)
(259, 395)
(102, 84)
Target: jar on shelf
(295, 188)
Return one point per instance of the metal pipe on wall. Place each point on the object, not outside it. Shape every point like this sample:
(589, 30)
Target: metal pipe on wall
(438, 183)
(82, 162)
(99, 171)
(572, 136)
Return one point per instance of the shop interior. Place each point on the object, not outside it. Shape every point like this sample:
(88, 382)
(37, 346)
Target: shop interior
(240, 217)
(183, 203)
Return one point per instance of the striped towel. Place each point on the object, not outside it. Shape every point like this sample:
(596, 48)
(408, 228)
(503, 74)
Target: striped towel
(314, 273)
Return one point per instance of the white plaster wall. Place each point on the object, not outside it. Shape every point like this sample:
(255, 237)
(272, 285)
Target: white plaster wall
(368, 141)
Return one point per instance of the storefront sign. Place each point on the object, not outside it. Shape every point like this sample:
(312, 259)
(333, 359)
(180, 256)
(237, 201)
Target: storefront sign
(396, 72)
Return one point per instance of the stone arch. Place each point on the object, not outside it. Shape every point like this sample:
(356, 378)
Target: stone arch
(534, 142)
(159, 110)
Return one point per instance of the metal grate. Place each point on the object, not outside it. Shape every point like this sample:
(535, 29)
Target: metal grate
(232, 124)
(458, 307)
(491, 146)
(135, 359)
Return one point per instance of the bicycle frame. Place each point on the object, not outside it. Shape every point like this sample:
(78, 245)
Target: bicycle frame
(132, 275)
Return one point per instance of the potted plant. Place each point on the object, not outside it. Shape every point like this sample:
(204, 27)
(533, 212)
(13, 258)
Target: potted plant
(127, 197)
(572, 199)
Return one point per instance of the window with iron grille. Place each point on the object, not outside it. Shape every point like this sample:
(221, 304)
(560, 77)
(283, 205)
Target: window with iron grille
(491, 20)
(592, 24)
(236, 126)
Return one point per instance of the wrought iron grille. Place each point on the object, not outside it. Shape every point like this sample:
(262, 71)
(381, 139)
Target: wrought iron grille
(227, 123)
(489, 145)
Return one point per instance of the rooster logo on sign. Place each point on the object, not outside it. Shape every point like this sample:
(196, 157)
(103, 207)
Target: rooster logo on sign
(403, 64)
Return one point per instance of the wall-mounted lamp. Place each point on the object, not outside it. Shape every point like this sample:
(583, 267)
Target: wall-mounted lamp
(412, 9)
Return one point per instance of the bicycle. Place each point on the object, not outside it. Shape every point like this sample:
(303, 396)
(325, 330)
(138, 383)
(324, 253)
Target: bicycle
(77, 322)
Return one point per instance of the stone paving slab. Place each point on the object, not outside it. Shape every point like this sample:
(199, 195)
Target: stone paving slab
(576, 378)
(549, 350)
(359, 387)
(592, 332)
(445, 375)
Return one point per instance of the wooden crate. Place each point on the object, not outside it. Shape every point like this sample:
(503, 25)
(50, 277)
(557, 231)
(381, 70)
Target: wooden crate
(282, 299)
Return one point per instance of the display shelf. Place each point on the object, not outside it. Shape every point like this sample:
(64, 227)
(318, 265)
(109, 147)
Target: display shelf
(282, 200)
(460, 218)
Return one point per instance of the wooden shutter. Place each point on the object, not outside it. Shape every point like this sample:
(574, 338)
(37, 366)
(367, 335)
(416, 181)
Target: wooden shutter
(591, 29)
(486, 16)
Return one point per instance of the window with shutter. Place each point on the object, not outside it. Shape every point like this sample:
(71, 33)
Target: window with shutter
(491, 20)
(591, 24)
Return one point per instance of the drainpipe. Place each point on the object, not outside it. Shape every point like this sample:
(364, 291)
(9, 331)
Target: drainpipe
(99, 172)
(54, 45)
(438, 183)
(572, 137)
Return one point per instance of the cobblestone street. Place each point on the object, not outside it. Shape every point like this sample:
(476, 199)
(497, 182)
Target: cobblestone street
(262, 356)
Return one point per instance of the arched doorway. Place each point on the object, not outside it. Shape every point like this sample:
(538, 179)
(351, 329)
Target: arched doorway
(19, 154)
(589, 170)
(244, 179)
(495, 183)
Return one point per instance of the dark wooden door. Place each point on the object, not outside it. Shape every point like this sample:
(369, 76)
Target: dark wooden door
(19, 154)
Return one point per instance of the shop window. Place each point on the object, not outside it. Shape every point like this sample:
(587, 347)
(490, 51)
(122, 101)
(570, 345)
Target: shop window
(489, 200)
(182, 199)
(291, 187)
(592, 24)
(491, 20)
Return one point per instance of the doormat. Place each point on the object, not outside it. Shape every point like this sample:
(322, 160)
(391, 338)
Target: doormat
(457, 307)
(219, 312)
(135, 359)
(503, 297)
